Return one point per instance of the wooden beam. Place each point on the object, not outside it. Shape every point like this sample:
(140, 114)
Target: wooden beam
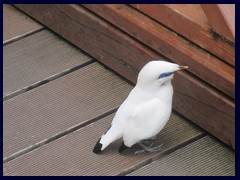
(126, 56)
(190, 21)
(222, 19)
(172, 46)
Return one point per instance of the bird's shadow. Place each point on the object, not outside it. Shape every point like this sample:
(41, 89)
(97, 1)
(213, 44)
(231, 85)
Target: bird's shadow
(113, 149)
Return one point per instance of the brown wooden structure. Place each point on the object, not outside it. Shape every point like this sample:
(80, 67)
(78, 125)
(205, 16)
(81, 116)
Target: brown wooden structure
(58, 100)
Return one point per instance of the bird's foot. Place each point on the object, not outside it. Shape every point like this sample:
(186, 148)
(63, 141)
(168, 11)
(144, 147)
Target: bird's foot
(149, 142)
(148, 149)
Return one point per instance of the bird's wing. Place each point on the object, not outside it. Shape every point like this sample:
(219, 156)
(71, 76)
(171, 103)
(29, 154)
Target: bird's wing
(121, 110)
(147, 120)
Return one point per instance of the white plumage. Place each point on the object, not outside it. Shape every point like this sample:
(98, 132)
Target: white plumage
(146, 110)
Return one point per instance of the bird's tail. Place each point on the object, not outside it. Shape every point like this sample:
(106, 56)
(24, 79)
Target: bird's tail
(111, 135)
(98, 147)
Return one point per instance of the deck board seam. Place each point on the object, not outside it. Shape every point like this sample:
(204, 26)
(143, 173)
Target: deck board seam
(22, 36)
(47, 80)
(59, 135)
(160, 155)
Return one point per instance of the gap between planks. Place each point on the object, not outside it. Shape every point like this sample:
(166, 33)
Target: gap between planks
(59, 135)
(158, 156)
(57, 156)
(45, 81)
(73, 128)
(17, 25)
(22, 36)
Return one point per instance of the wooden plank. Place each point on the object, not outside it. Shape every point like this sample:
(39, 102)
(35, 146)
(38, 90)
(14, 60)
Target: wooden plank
(17, 24)
(221, 18)
(190, 21)
(192, 12)
(204, 157)
(72, 154)
(134, 23)
(206, 67)
(126, 56)
(37, 59)
(89, 33)
(204, 101)
(48, 110)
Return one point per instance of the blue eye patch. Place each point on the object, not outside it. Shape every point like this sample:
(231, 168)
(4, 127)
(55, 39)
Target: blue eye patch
(164, 75)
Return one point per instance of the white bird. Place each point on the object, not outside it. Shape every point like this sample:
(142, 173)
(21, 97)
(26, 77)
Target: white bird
(145, 111)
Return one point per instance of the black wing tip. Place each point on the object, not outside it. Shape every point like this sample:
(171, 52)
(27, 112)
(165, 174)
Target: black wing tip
(122, 148)
(98, 147)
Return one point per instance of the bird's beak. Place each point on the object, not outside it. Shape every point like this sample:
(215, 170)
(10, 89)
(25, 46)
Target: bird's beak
(183, 67)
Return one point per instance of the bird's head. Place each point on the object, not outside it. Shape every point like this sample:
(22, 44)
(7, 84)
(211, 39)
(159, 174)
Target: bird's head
(158, 73)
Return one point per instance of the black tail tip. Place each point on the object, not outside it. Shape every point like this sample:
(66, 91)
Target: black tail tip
(97, 148)
(122, 148)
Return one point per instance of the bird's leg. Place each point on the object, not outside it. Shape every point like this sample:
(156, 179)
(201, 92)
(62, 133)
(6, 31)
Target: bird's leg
(153, 138)
(149, 141)
(148, 149)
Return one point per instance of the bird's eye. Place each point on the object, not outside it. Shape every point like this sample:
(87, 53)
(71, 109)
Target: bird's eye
(164, 75)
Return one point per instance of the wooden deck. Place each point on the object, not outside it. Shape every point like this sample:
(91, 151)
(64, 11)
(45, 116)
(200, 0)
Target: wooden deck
(57, 101)
(125, 37)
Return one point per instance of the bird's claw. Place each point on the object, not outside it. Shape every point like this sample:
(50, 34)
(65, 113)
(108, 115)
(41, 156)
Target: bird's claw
(157, 148)
(140, 151)
(149, 149)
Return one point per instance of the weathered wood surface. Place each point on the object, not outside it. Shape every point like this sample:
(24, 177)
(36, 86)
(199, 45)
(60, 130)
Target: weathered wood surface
(35, 60)
(51, 109)
(190, 21)
(104, 42)
(204, 157)
(72, 154)
(222, 19)
(68, 152)
(206, 67)
(16, 24)
(126, 56)
(205, 107)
